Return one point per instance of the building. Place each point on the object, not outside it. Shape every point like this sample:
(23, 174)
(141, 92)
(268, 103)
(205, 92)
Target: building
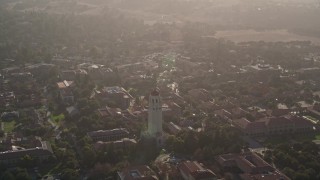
(155, 116)
(98, 71)
(109, 135)
(174, 129)
(109, 112)
(6, 116)
(116, 97)
(274, 125)
(137, 173)
(65, 89)
(251, 128)
(314, 111)
(12, 157)
(238, 112)
(124, 143)
(21, 76)
(278, 112)
(171, 110)
(6, 98)
(251, 165)
(72, 111)
(69, 75)
(192, 170)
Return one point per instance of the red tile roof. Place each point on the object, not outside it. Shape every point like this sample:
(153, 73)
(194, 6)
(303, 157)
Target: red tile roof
(300, 122)
(194, 169)
(277, 121)
(252, 166)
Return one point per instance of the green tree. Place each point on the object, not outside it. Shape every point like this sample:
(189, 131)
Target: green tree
(7, 175)
(70, 174)
(27, 161)
(89, 156)
(175, 144)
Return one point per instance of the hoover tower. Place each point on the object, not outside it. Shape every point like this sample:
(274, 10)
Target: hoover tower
(155, 116)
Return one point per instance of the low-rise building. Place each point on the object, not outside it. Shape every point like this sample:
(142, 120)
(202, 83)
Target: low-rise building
(14, 156)
(97, 71)
(137, 173)
(70, 75)
(6, 116)
(115, 96)
(72, 111)
(192, 170)
(274, 125)
(65, 89)
(171, 110)
(124, 143)
(315, 111)
(109, 135)
(109, 112)
(174, 129)
(7, 98)
(251, 165)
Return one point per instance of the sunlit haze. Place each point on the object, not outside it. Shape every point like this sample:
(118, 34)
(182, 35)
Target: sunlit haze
(160, 89)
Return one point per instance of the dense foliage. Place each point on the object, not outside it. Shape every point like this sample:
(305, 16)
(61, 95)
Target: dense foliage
(297, 161)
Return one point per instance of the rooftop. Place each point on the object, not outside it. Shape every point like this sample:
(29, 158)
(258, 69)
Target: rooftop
(195, 170)
(252, 166)
(108, 132)
(45, 149)
(141, 172)
(155, 92)
(113, 89)
(64, 84)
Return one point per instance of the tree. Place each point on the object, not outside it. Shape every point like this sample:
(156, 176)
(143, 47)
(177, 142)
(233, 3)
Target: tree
(7, 175)
(175, 144)
(100, 171)
(70, 174)
(16, 174)
(23, 176)
(89, 156)
(289, 172)
(300, 176)
(27, 161)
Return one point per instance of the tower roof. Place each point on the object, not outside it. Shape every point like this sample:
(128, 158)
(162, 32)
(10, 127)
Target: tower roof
(155, 92)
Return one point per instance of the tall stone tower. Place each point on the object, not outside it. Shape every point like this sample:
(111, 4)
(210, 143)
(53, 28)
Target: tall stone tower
(155, 116)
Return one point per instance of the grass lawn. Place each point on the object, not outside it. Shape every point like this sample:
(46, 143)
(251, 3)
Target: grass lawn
(317, 137)
(57, 118)
(9, 126)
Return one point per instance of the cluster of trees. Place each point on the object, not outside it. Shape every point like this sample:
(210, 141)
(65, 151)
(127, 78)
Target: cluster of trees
(68, 160)
(297, 161)
(204, 146)
(15, 173)
(112, 159)
(37, 36)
